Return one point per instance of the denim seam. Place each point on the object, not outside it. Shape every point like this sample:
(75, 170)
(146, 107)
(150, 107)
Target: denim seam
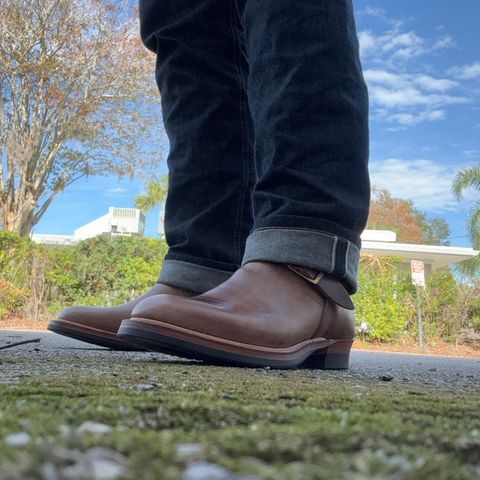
(333, 255)
(346, 257)
(239, 214)
(239, 15)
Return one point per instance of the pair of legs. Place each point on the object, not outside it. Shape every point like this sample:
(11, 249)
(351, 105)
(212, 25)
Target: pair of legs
(266, 110)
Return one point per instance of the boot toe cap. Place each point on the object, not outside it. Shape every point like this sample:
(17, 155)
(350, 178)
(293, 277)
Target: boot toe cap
(155, 307)
(107, 319)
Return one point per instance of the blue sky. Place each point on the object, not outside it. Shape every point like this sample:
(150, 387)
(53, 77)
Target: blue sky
(421, 61)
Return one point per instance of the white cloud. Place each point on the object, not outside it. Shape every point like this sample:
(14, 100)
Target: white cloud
(409, 99)
(401, 81)
(425, 182)
(466, 72)
(409, 96)
(366, 41)
(380, 14)
(403, 90)
(444, 42)
(398, 96)
(395, 45)
(409, 119)
(437, 84)
(403, 45)
(375, 12)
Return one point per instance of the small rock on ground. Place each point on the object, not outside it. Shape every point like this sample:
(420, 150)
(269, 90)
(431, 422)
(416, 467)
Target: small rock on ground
(98, 463)
(210, 471)
(93, 427)
(18, 439)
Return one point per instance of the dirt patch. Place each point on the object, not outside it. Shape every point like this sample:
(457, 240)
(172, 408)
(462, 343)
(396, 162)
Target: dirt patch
(19, 323)
(438, 348)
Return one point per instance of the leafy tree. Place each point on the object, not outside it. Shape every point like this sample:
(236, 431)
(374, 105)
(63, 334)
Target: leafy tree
(435, 231)
(388, 212)
(400, 215)
(76, 97)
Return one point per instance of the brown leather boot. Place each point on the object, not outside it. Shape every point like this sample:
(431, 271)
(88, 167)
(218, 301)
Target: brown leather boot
(266, 314)
(99, 325)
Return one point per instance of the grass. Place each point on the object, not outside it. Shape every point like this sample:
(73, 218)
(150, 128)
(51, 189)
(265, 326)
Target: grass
(269, 424)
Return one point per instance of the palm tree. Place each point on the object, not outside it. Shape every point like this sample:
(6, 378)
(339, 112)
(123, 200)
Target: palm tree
(464, 179)
(469, 178)
(156, 192)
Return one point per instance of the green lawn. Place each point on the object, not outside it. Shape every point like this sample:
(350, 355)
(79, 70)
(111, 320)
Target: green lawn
(264, 423)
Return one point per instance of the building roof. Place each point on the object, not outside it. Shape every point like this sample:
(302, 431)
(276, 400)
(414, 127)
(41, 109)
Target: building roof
(435, 255)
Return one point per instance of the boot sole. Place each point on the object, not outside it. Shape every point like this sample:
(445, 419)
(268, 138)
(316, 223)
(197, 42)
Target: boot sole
(92, 335)
(319, 353)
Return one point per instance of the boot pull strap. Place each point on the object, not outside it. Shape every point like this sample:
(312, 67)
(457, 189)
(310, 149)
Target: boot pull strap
(328, 286)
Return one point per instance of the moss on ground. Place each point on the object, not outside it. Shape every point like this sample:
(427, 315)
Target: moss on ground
(269, 424)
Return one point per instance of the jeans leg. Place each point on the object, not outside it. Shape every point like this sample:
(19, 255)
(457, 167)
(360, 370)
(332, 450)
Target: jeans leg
(201, 74)
(309, 105)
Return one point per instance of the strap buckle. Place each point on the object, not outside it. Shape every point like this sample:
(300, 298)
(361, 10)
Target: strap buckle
(307, 274)
(328, 287)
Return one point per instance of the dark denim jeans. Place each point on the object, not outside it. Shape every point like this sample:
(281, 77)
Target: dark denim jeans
(266, 109)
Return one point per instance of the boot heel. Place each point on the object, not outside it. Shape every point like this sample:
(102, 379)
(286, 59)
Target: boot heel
(333, 357)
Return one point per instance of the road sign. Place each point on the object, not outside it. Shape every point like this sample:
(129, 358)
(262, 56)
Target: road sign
(418, 279)
(418, 273)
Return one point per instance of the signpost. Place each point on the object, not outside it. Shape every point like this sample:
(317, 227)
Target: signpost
(418, 279)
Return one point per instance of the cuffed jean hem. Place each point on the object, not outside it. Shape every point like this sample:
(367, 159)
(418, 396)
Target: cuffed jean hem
(307, 248)
(191, 276)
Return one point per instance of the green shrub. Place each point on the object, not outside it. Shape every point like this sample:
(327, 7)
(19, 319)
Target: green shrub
(441, 310)
(104, 270)
(96, 271)
(384, 305)
(473, 312)
(16, 259)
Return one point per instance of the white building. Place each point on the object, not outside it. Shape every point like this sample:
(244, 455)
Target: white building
(117, 222)
(381, 243)
(53, 239)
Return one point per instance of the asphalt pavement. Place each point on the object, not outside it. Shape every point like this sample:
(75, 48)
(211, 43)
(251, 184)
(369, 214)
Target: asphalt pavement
(35, 359)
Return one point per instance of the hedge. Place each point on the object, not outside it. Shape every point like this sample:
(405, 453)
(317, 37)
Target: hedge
(37, 281)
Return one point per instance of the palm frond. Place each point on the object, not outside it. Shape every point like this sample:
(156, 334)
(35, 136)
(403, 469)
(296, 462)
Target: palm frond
(473, 224)
(156, 192)
(466, 178)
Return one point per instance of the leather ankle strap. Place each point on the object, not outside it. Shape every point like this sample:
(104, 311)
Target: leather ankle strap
(328, 286)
